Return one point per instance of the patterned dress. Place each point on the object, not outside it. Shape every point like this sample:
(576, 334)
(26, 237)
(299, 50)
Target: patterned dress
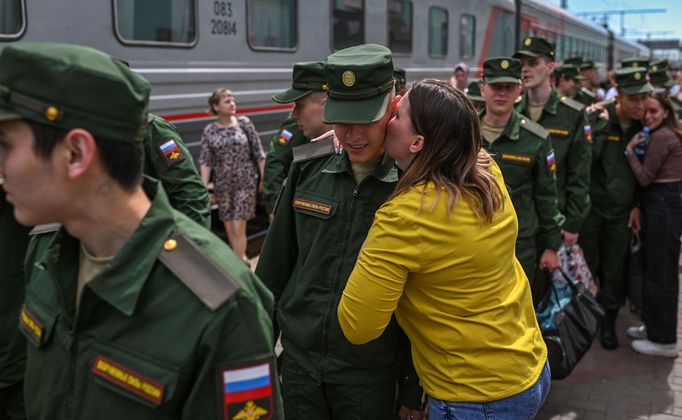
(232, 153)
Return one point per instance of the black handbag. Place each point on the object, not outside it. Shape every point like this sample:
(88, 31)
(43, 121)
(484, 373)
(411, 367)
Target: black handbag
(571, 317)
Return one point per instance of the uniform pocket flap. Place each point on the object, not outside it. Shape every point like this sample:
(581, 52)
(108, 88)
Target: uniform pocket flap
(134, 375)
(314, 204)
(36, 322)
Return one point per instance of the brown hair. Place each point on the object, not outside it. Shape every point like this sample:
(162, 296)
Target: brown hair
(452, 157)
(671, 120)
(216, 96)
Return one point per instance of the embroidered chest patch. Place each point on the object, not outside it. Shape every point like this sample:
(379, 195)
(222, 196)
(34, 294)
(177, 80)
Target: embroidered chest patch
(171, 152)
(128, 379)
(558, 132)
(284, 137)
(516, 158)
(31, 325)
(247, 392)
(613, 138)
(313, 206)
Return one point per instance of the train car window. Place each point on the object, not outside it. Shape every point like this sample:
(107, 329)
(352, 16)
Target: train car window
(467, 35)
(12, 19)
(438, 32)
(400, 26)
(561, 47)
(156, 22)
(348, 23)
(503, 35)
(272, 24)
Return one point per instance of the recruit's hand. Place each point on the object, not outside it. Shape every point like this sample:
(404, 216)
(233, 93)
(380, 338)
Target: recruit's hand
(601, 109)
(408, 414)
(636, 139)
(325, 136)
(634, 222)
(549, 260)
(570, 239)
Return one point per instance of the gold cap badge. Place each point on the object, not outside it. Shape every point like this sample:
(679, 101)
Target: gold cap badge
(504, 64)
(348, 78)
(527, 42)
(638, 76)
(635, 64)
(52, 113)
(170, 244)
(654, 68)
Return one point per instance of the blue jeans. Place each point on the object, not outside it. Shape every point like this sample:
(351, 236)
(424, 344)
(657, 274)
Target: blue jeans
(524, 405)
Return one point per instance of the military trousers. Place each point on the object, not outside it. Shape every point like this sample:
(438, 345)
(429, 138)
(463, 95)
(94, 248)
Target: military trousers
(663, 211)
(304, 397)
(605, 243)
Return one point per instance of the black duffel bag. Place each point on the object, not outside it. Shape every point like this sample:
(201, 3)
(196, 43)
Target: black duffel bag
(569, 317)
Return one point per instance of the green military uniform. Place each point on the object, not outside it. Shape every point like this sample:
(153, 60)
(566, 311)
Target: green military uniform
(400, 76)
(174, 326)
(633, 62)
(167, 159)
(525, 156)
(322, 218)
(308, 77)
(279, 159)
(473, 92)
(13, 243)
(585, 95)
(605, 235)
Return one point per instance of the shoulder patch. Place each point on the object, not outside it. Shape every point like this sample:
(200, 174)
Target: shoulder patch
(588, 92)
(314, 150)
(534, 128)
(247, 389)
(196, 270)
(572, 103)
(171, 152)
(284, 136)
(46, 228)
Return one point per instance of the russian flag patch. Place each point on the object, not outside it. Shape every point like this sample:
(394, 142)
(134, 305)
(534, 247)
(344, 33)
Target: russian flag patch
(284, 136)
(551, 162)
(171, 152)
(248, 391)
(588, 133)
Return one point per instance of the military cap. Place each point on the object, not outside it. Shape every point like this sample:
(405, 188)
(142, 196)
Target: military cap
(71, 86)
(360, 81)
(535, 47)
(575, 61)
(400, 78)
(473, 91)
(633, 80)
(308, 77)
(659, 65)
(569, 71)
(586, 64)
(635, 62)
(502, 70)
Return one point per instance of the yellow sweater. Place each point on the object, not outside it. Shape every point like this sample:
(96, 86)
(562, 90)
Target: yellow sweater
(457, 290)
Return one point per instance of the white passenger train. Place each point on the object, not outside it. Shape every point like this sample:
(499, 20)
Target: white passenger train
(187, 48)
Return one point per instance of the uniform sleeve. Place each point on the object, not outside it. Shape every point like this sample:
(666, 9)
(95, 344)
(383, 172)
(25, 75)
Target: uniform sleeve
(545, 196)
(257, 152)
(205, 155)
(599, 133)
(578, 163)
(236, 365)
(277, 165)
(280, 251)
(180, 178)
(376, 284)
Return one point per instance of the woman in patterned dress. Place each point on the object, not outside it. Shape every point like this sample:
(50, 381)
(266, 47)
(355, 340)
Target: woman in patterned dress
(231, 151)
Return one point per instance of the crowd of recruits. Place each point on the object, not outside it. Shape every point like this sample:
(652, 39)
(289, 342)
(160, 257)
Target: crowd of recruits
(315, 241)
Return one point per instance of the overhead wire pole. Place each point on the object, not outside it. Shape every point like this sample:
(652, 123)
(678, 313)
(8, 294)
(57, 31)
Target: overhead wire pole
(517, 25)
(622, 14)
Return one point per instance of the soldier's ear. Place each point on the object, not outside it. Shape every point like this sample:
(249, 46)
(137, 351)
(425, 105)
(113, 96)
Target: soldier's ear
(81, 151)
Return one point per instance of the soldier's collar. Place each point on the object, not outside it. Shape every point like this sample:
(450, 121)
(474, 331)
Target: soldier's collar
(550, 106)
(385, 172)
(511, 131)
(134, 262)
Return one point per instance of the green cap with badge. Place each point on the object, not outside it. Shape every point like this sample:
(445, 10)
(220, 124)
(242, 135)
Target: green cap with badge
(574, 61)
(473, 91)
(502, 70)
(586, 64)
(659, 75)
(71, 86)
(308, 77)
(536, 47)
(569, 71)
(633, 81)
(360, 81)
(400, 79)
(635, 62)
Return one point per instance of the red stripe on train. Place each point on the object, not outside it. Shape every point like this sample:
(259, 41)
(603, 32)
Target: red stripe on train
(240, 111)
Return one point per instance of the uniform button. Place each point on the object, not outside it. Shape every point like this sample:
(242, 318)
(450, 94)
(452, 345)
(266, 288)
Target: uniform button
(170, 244)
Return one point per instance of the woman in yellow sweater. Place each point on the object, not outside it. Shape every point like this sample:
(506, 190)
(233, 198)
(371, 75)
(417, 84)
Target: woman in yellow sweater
(440, 256)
